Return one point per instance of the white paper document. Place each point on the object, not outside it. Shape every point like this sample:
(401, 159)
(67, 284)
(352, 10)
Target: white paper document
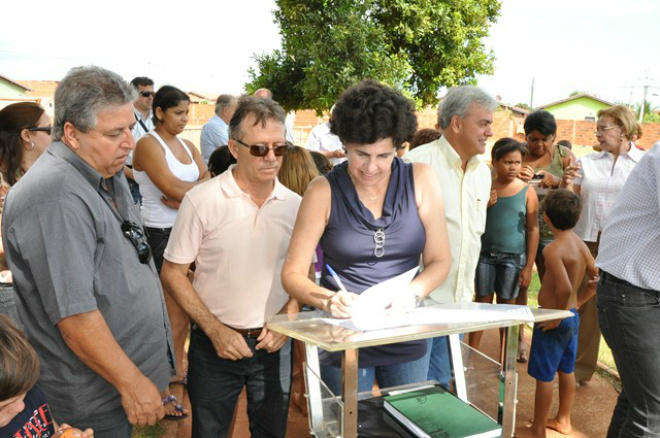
(371, 311)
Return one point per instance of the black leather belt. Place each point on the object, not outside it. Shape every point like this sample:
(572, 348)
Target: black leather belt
(248, 333)
(609, 277)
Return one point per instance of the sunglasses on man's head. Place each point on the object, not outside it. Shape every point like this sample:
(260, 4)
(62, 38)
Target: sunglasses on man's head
(146, 93)
(260, 150)
(46, 129)
(134, 233)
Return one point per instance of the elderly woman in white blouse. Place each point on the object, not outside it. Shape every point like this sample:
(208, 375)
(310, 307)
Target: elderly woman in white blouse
(598, 178)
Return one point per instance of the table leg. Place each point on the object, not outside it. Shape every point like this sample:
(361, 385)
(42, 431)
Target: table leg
(457, 364)
(349, 376)
(510, 382)
(314, 393)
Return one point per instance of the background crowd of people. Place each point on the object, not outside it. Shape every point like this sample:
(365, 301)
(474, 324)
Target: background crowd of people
(120, 244)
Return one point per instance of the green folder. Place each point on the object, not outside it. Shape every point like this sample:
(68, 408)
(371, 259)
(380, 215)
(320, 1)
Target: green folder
(432, 412)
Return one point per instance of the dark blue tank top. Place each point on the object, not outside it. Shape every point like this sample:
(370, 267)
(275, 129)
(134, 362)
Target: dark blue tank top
(349, 248)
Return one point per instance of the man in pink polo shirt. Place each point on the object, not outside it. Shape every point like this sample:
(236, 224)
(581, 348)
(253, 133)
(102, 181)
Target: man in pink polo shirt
(236, 228)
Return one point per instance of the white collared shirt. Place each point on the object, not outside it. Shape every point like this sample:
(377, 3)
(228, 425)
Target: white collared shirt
(322, 140)
(238, 248)
(465, 196)
(601, 181)
(139, 131)
(630, 244)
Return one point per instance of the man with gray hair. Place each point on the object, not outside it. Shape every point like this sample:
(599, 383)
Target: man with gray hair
(215, 132)
(236, 229)
(465, 121)
(265, 93)
(88, 293)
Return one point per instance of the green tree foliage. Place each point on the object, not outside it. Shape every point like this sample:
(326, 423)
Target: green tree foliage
(524, 106)
(416, 45)
(650, 113)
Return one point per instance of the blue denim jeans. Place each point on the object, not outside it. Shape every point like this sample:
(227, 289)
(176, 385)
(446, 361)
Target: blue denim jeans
(135, 191)
(157, 239)
(499, 273)
(107, 424)
(214, 385)
(629, 318)
(440, 361)
(386, 376)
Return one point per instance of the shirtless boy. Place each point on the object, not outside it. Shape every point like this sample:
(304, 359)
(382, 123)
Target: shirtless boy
(554, 343)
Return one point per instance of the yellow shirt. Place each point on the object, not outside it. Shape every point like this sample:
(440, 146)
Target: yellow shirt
(465, 195)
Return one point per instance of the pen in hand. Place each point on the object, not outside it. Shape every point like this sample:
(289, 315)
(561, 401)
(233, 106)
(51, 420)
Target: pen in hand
(341, 307)
(336, 278)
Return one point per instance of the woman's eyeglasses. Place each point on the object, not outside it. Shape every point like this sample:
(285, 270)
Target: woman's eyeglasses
(600, 131)
(46, 129)
(147, 93)
(260, 150)
(134, 233)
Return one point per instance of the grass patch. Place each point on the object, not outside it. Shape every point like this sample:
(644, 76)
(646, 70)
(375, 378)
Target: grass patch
(604, 352)
(156, 431)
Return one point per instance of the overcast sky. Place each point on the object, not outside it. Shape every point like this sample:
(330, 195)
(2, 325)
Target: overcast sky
(606, 47)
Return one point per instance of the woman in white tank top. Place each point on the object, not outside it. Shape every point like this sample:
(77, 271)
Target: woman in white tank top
(166, 167)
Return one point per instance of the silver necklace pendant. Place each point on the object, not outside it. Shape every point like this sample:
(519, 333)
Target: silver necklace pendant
(379, 243)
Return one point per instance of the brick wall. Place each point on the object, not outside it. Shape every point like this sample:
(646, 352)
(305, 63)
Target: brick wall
(199, 114)
(650, 135)
(581, 133)
(578, 132)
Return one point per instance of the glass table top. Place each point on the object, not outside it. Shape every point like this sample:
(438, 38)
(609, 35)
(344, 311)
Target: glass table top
(313, 328)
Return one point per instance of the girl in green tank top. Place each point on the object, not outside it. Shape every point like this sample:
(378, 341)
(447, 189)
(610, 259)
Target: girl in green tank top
(509, 242)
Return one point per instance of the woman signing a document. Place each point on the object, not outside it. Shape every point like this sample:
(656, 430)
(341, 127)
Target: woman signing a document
(374, 216)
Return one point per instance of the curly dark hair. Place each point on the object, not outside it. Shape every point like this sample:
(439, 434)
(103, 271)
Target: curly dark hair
(563, 208)
(371, 111)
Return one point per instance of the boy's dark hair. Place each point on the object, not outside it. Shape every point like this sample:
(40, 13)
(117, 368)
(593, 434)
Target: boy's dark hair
(424, 136)
(507, 145)
(142, 81)
(541, 121)
(565, 143)
(19, 364)
(370, 111)
(563, 208)
(323, 163)
(220, 160)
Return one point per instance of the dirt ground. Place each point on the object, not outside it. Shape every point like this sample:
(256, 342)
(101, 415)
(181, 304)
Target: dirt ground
(592, 410)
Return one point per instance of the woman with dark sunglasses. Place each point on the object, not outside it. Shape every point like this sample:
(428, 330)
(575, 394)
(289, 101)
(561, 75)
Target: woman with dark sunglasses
(166, 167)
(24, 136)
(374, 216)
